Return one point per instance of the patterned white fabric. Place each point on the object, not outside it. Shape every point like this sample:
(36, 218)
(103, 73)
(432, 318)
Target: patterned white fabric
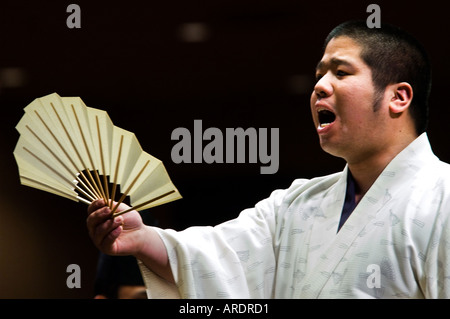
(288, 246)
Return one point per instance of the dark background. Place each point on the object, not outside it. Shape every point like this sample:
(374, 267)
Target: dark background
(253, 66)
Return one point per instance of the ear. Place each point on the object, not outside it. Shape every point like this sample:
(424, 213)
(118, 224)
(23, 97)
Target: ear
(402, 94)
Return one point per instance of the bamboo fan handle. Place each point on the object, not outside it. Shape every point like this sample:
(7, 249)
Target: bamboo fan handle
(124, 195)
(115, 214)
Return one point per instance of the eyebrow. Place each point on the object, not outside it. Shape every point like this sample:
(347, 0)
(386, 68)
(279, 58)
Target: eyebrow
(333, 61)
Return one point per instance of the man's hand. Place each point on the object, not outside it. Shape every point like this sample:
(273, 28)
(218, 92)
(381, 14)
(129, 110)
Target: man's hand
(114, 236)
(127, 235)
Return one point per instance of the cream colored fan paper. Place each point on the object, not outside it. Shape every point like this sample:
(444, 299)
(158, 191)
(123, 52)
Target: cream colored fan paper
(72, 150)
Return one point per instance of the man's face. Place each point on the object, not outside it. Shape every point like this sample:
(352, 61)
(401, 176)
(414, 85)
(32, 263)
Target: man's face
(342, 103)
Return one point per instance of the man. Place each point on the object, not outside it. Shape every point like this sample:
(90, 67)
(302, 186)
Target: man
(378, 229)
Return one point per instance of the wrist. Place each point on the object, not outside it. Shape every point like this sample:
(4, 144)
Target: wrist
(153, 254)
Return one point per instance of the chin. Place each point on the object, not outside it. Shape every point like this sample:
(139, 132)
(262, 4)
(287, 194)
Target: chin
(331, 148)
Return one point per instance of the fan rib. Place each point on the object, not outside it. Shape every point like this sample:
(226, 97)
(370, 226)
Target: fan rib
(87, 188)
(48, 149)
(55, 190)
(143, 204)
(48, 166)
(98, 184)
(113, 191)
(105, 181)
(124, 195)
(90, 196)
(67, 155)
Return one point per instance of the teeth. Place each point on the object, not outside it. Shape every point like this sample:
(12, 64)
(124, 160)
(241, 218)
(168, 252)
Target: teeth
(324, 125)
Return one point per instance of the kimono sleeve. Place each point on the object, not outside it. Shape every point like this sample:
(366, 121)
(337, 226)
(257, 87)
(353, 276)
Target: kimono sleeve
(437, 266)
(235, 259)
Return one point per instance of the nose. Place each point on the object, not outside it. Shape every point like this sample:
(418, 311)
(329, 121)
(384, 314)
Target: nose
(323, 87)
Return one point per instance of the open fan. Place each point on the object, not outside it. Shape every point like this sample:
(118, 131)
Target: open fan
(75, 151)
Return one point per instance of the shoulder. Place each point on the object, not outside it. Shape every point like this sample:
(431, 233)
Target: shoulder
(426, 196)
(303, 188)
(435, 176)
(313, 186)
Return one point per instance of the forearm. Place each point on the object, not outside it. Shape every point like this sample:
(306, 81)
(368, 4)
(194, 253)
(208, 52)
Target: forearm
(153, 254)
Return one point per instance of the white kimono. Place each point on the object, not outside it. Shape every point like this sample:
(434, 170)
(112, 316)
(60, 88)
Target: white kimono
(395, 244)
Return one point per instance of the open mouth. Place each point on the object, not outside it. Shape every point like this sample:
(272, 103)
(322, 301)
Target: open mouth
(326, 117)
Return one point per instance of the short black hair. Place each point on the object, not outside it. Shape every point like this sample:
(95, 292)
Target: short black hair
(394, 56)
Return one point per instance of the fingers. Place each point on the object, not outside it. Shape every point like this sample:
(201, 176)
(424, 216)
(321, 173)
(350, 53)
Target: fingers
(97, 216)
(95, 205)
(102, 229)
(106, 234)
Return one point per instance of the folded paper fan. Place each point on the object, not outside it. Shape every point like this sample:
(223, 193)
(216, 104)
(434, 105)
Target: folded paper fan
(75, 151)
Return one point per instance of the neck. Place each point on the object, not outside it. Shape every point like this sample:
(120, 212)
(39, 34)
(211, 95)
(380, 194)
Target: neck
(366, 170)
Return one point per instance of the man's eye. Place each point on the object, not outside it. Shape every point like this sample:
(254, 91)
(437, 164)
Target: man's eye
(341, 73)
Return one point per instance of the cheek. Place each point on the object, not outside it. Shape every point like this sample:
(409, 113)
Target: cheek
(356, 116)
(355, 102)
